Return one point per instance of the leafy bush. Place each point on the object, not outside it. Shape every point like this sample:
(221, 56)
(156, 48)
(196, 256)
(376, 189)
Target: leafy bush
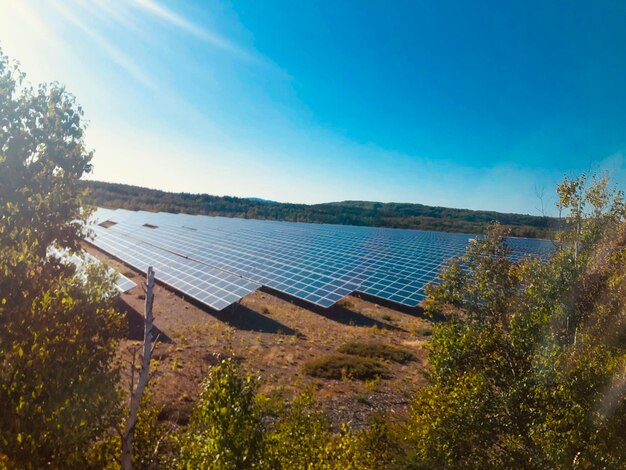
(382, 444)
(343, 366)
(302, 439)
(225, 431)
(378, 350)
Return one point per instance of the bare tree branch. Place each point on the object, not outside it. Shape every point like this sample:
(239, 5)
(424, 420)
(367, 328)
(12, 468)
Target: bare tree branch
(144, 375)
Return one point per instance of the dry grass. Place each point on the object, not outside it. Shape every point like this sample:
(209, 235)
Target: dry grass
(424, 330)
(377, 350)
(343, 366)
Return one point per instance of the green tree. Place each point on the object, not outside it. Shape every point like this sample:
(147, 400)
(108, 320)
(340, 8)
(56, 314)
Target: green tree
(302, 439)
(57, 330)
(529, 371)
(225, 431)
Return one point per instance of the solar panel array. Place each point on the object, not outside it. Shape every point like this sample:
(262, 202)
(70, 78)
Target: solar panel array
(218, 260)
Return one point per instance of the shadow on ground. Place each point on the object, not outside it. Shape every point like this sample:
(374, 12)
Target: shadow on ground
(337, 312)
(417, 311)
(238, 316)
(136, 323)
(241, 317)
(344, 315)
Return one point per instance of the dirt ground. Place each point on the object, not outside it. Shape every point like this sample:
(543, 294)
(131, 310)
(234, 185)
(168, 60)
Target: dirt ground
(273, 337)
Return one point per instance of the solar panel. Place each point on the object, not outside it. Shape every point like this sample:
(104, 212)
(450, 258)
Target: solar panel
(122, 283)
(218, 260)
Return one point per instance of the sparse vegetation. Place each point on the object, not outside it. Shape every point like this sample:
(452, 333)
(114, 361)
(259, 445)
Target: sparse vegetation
(346, 303)
(372, 384)
(425, 330)
(377, 350)
(343, 366)
(362, 399)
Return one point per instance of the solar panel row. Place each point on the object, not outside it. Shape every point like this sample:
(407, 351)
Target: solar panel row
(213, 287)
(314, 262)
(122, 283)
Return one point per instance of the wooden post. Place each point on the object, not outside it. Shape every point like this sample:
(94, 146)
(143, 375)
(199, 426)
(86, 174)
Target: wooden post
(144, 376)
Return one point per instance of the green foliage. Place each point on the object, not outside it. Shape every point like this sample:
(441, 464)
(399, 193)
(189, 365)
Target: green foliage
(42, 156)
(526, 372)
(376, 214)
(342, 366)
(382, 444)
(590, 207)
(481, 282)
(377, 350)
(57, 332)
(302, 439)
(225, 430)
(154, 444)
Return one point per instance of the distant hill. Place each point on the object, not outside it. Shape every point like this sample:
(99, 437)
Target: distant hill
(259, 199)
(375, 214)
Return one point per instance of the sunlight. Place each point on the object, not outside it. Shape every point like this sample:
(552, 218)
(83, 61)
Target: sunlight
(176, 20)
(111, 11)
(23, 28)
(114, 54)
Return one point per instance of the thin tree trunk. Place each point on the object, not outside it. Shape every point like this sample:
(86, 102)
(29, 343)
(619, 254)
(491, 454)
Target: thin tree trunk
(144, 376)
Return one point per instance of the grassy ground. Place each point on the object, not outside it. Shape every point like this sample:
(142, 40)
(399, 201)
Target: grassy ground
(274, 339)
(345, 367)
(377, 350)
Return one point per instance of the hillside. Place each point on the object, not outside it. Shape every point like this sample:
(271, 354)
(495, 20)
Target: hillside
(375, 214)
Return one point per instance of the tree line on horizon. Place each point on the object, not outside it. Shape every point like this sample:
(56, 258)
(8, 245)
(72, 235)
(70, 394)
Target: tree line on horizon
(362, 213)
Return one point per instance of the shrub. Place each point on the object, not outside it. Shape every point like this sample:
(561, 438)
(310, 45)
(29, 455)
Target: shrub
(225, 431)
(378, 350)
(338, 366)
(302, 438)
(382, 444)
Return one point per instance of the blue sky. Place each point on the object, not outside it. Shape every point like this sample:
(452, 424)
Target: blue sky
(465, 104)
